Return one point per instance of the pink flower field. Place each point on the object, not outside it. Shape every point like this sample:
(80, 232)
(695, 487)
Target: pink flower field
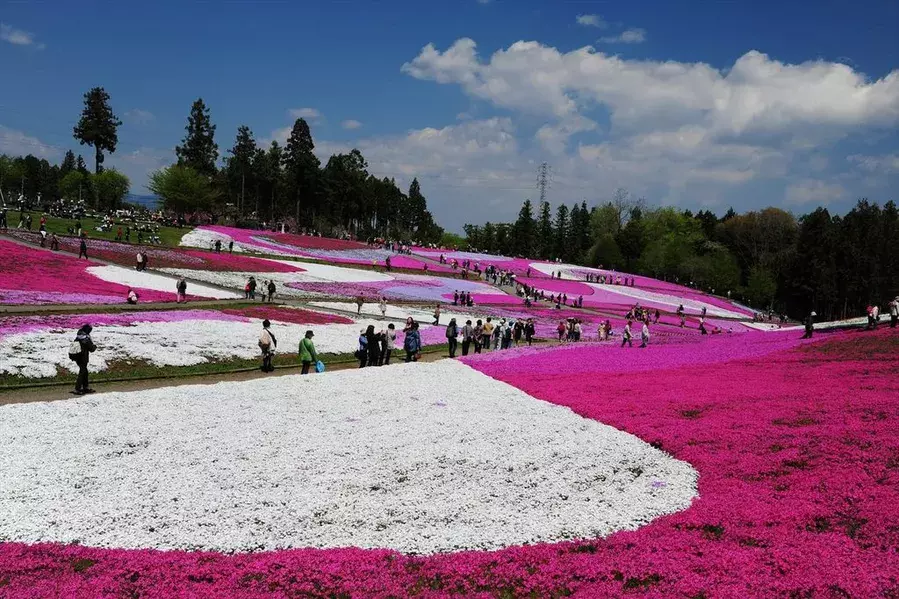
(798, 459)
(163, 257)
(335, 251)
(39, 276)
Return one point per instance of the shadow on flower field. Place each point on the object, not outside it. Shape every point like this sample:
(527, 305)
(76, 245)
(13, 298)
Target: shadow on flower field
(795, 445)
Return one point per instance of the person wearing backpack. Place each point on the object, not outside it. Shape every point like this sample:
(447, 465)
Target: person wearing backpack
(79, 352)
(267, 344)
(308, 356)
(452, 331)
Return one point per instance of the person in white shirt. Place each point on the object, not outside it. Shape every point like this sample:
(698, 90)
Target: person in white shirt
(644, 335)
(383, 306)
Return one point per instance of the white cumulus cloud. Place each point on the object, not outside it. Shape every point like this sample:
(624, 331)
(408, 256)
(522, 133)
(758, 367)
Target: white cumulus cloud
(350, 124)
(310, 114)
(18, 37)
(628, 36)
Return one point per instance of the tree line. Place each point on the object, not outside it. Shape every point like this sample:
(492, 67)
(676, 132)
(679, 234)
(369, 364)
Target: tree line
(253, 184)
(288, 184)
(835, 265)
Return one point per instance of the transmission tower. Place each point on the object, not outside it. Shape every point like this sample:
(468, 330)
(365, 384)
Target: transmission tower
(544, 176)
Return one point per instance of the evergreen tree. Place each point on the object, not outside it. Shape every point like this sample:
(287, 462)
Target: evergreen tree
(545, 231)
(561, 232)
(525, 231)
(198, 149)
(301, 171)
(239, 167)
(68, 164)
(98, 125)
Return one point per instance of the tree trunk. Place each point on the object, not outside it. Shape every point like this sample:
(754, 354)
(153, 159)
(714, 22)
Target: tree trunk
(98, 160)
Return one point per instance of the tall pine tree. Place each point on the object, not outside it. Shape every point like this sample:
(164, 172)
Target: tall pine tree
(98, 126)
(545, 240)
(198, 149)
(301, 171)
(239, 167)
(524, 231)
(562, 232)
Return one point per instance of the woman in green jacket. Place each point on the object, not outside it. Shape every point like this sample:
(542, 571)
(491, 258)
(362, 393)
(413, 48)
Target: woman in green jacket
(307, 352)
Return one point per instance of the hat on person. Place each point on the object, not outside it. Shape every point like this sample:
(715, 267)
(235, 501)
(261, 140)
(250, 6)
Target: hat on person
(309, 333)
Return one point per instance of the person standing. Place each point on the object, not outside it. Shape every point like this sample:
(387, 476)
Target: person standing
(80, 352)
(436, 315)
(626, 335)
(486, 335)
(383, 306)
(82, 249)
(252, 286)
(181, 290)
(389, 343)
(359, 301)
(452, 332)
(373, 345)
(894, 312)
(529, 331)
(362, 352)
(308, 356)
(467, 335)
(809, 325)
(218, 246)
(412, 344)
(271, 290)
(267, 343)
(644, 334)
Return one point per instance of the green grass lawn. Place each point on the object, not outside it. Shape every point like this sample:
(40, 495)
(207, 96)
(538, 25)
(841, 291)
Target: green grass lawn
(169, 236)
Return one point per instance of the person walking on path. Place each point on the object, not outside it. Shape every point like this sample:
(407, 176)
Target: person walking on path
(412, 344)
(529, 331)
(359, 301)
(82, 249)
(894, 312)
(383, 306)
(452, 331)
(308, 356)
(181, 290)
(436, 315)
(267, 343)
(626, 335)
(809, 325)
(271, 290)
(80, 352)
(231, 247)
(644, 335)
(251, 286)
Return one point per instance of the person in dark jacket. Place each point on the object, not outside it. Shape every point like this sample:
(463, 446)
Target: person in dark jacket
(452, 331)
(82, 358)
(809, 325)
(82, 250)
(372, 345)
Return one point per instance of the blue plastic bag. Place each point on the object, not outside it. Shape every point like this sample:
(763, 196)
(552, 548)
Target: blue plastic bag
(319, 366)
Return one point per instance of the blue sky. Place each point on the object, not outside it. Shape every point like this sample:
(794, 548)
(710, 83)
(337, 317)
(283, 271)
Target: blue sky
(702, 104)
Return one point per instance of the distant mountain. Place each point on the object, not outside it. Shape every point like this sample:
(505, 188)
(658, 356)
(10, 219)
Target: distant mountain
(147, 201)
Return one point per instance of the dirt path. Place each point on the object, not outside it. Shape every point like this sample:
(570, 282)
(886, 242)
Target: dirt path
(63, 392)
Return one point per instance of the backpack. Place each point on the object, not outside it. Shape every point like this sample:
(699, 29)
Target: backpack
(75, 350)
